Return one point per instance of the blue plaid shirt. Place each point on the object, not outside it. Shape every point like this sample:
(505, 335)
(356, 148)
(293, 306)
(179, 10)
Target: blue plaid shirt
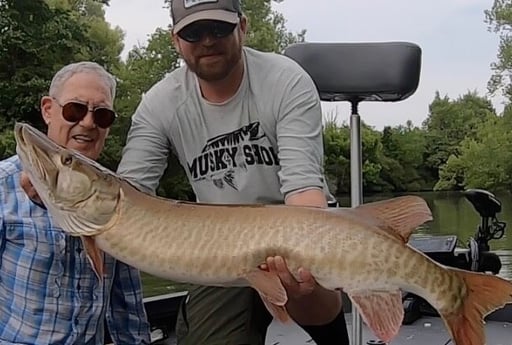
(49, 293)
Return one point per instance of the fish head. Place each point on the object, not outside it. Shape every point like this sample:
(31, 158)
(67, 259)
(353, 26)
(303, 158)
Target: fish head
(78, 192)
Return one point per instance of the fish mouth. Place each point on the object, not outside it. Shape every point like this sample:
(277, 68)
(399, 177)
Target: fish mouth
(37, 149)
(74, 188)
(30, 144)
(28, 138)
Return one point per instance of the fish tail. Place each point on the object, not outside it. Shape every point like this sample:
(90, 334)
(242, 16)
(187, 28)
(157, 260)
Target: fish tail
(484, 294)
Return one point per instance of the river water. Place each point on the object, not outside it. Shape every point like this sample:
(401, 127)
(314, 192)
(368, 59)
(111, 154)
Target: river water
(453, 214)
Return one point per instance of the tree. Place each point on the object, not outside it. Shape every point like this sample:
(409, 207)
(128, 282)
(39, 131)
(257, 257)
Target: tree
(35, 40)
(267, 28)
(379, 170)
(450, 122)
(499, 20)
(144, 66)
(7, 143)
(404, 147)
(105, 43)
(484, 161)
(337, 156)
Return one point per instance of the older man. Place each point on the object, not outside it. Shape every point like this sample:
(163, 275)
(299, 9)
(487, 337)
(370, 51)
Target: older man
(49, 293)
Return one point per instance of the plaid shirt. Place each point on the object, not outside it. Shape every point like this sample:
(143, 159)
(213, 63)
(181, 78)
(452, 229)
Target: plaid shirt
(49, 293)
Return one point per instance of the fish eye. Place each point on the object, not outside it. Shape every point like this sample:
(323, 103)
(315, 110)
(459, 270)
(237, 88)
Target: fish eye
(66, 159)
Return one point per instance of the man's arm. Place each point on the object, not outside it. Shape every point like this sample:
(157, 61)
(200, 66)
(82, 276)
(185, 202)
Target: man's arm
(309, 304)
(318, 310)
(299, 139)
(144, 157)
(126, 316)
(308, 197)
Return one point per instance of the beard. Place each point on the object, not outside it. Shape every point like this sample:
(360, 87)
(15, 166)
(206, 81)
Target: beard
(216, 69)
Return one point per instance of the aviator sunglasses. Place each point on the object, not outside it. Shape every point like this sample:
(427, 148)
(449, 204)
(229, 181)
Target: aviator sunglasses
(75, 112)
(195, 32)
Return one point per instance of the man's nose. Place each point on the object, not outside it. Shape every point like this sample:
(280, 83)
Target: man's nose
(208, 39)
(88, 120)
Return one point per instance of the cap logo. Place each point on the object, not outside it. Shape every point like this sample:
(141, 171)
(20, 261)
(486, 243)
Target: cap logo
(191, 3)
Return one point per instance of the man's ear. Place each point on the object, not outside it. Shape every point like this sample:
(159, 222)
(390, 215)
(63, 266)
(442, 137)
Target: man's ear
(244, 23)
(46, 106)
(176, 42)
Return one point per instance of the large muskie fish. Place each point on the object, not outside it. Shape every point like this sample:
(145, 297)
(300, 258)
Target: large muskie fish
(362, 250)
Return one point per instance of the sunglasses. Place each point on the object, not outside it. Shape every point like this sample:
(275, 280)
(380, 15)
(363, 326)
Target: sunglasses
(76, 112)
(195, 32)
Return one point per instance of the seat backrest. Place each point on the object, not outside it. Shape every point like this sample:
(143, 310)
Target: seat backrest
(381, 71)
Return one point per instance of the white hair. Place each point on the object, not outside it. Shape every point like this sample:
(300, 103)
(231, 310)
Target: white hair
(68, 71)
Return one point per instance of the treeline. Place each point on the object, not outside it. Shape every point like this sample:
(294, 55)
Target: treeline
(462, 143)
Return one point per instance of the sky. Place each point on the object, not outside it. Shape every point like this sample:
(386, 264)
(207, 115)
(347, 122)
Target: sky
(457, 47)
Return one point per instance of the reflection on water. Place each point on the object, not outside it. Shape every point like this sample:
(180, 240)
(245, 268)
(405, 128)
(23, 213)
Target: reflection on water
(453, 214)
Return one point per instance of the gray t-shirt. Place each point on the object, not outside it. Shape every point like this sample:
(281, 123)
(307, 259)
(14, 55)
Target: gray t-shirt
(263, 143)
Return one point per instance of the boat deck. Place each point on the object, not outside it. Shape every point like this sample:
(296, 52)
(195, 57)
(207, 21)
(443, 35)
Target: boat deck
(425, 331)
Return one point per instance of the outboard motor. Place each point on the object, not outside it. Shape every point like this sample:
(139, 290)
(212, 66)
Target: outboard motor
(477, 257)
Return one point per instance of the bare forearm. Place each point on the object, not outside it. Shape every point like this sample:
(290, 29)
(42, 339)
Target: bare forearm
(310, 197)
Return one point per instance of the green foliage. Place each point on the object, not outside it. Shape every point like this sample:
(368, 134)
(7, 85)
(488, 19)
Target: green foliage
(485, 161)
(404, 148)
(337, 156)
(35, 41)
(105, 43)
(267, 28)
(392, 160)
(144, 66)
(450, 122)
(499, 20)
(7, 143)
(39, 37)
(451, 175)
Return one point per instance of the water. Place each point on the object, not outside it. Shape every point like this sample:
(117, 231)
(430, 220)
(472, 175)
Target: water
(452, 213)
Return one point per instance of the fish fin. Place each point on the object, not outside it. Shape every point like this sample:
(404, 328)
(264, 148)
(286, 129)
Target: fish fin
(272, 293)
(485, 293)
(398, 216)
(95, 256)
(279, 312)
(269, 286)
(383, 312)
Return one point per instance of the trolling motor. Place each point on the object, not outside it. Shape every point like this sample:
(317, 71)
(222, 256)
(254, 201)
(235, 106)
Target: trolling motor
(487, 205)
(477, 257)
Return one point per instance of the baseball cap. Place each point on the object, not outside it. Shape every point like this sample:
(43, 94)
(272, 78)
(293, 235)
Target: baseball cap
(185, 12)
